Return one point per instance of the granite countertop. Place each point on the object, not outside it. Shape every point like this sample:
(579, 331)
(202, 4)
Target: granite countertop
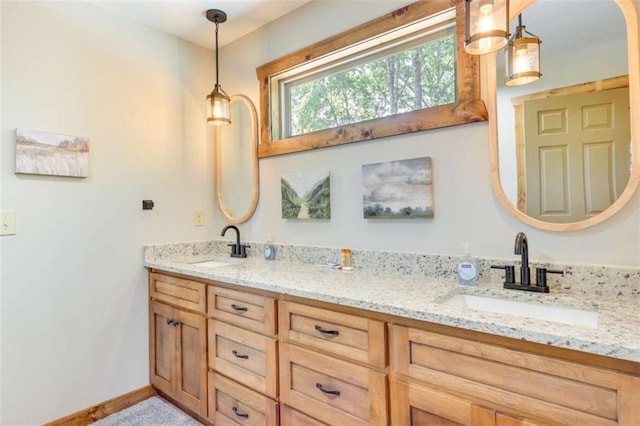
(617, 333)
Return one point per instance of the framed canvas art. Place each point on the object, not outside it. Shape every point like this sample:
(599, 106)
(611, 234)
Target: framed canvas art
(400, 189)
(41, 153)
(306, 195)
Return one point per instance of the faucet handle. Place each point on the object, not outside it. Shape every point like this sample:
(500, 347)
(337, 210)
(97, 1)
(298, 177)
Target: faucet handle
(541, 275)
(509, 273)
(234, 249)
(243, 250)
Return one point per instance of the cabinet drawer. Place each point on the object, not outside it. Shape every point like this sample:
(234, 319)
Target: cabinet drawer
(246, 356)
(349, 336)
(233, 404)
(291, 417)
(246, 310)
(179, 292)
(544, 387)
(331, 390)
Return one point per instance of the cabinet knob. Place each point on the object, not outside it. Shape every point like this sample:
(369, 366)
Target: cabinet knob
(328, 391)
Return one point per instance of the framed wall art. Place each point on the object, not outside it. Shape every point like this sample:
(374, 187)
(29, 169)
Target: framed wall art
(42, 153)
(400, 189)
(306, 195)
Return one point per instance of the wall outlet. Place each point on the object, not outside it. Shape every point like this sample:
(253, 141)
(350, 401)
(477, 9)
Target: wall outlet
(7, 222)
(198, 217)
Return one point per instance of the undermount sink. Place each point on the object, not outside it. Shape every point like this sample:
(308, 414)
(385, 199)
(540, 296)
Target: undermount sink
(527, 310)
(210, 263)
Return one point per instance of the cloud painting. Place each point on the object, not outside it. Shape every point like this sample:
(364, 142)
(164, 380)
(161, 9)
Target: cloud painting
(398, 189)
(306, 195)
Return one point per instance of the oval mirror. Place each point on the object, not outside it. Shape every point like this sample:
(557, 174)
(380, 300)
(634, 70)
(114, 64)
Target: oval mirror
(237, 184)
(564, 149)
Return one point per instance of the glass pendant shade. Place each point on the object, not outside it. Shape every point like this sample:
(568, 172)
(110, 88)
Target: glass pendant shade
(487, 26)
(522, 57)
(218, 107)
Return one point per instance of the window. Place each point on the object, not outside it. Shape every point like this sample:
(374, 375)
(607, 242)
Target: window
(400, 73)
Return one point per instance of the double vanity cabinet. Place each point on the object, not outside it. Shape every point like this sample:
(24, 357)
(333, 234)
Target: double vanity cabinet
(234, 355)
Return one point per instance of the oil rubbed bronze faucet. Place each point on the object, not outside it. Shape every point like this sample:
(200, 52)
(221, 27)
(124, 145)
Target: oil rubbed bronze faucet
(237, 249)
(521, 247)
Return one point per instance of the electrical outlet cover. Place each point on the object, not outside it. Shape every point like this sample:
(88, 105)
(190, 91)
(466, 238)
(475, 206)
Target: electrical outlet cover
(198, 217)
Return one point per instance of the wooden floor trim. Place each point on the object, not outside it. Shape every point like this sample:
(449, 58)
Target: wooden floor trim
(106, 408)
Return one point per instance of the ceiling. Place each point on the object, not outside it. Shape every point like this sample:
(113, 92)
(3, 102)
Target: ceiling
(186, 18)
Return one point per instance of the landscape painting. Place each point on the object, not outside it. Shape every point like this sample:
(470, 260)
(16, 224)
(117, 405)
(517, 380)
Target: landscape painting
(306, 195)
(42, 153)
(398, 189)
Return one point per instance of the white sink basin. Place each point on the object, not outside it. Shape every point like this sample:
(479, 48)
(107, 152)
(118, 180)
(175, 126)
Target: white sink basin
(526, 310)
(211, 263)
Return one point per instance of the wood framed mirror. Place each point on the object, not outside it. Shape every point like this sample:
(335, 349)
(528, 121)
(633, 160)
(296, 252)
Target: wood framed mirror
(237, 176)
(617, 181)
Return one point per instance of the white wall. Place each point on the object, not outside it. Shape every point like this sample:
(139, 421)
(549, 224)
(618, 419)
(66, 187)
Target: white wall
(465, 207)
(74, 292)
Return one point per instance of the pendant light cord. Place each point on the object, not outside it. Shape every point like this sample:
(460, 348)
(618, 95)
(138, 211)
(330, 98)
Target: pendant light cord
(520, 27)
(217, 62)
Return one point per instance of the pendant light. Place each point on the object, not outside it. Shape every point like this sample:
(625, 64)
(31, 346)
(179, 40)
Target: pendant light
(522, 57)
(218, 100)
(487, 25)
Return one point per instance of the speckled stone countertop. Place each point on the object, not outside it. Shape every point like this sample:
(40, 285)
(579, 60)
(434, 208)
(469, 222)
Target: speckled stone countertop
(418, 297)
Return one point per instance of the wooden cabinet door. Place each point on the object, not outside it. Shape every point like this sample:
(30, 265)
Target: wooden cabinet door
(415, 405)
(191, 362)
(178, 355)
(162, 347)
(505, 420)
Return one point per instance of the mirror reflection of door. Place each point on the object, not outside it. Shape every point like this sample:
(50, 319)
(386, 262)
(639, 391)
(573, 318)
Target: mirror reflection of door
(582, 48)
(573, 159)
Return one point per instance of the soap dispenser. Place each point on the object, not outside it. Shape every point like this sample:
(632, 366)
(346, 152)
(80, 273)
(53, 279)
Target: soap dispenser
(467, 270)
(269, 249)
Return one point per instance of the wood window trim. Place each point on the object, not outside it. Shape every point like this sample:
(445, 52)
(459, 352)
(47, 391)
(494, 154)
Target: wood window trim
(469, 108)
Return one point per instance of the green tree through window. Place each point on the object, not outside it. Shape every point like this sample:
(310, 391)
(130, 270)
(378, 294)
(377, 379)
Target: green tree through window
(416, 78)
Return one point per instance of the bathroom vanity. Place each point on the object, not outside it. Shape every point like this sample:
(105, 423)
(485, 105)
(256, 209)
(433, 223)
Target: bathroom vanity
(256, 342)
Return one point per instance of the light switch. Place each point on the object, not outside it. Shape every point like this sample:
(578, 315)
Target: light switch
(7, 222)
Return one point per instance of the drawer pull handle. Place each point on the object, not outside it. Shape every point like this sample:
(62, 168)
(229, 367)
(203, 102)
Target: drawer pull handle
(238, 355)
(330, 392)
(238, 308)
(322, 330)
(172, 322)
(240, 413)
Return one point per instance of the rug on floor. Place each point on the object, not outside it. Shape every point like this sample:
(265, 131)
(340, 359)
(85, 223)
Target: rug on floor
(150, 412)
